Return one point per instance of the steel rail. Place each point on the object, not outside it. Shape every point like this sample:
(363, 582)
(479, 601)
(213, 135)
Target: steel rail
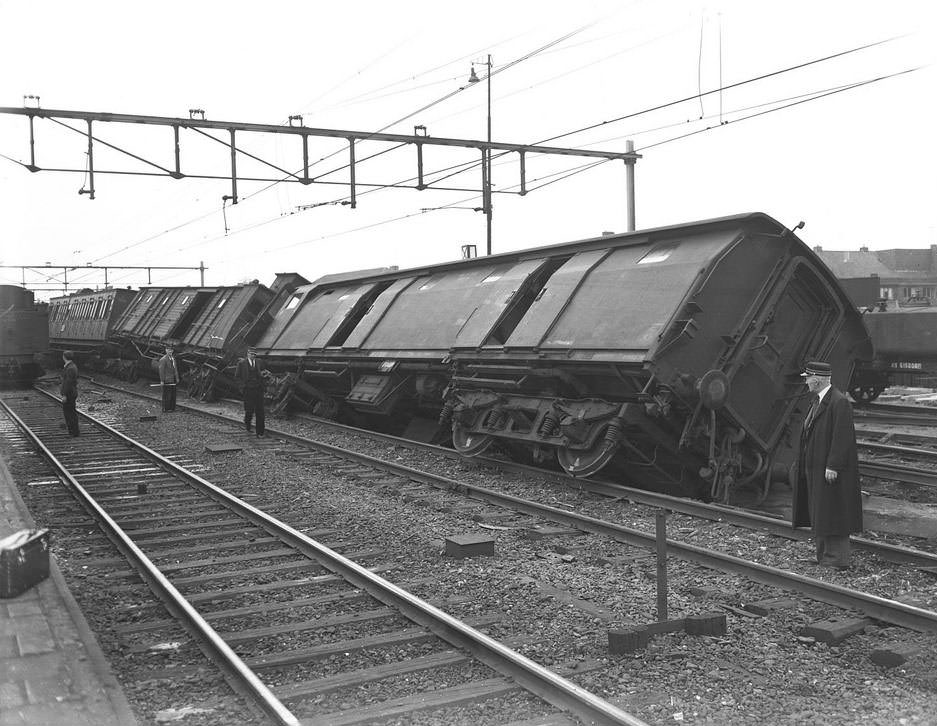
(715, 512)
(546, 684)
(898, 450)
(191, 619)
(872, 605)
(881, 608)
(895, 472)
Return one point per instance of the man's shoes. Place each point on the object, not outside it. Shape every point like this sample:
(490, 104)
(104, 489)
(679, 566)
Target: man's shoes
(260, 434)
(249, 429)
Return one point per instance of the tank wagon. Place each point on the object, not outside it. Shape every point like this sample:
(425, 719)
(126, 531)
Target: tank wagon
(24, 335)
(672, 354)
(904, 340)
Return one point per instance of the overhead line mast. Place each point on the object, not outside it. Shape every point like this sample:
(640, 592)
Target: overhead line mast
(199, 123)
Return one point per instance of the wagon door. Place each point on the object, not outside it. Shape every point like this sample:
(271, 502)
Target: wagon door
(797, 322)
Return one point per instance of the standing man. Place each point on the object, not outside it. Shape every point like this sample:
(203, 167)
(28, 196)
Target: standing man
(827, 496)
(250, 376)
(169, 377)
(69, 391)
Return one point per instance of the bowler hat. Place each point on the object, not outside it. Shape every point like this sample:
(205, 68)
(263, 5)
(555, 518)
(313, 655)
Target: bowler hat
(817, 368)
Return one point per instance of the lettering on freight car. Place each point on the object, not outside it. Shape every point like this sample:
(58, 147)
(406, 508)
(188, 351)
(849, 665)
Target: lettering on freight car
(904, 365)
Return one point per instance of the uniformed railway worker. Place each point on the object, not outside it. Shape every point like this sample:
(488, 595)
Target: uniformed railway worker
(169, 377)
(69, 391)
(250, 377)
(827, 496)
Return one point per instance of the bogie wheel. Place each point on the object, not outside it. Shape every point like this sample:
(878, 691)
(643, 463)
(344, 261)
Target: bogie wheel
(468, 443)
(864, 394)
(586, 463)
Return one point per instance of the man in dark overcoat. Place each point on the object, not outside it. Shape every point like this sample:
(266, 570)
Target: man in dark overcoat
(169, 378)
(69, 391)
(250, 377)
(827, 496)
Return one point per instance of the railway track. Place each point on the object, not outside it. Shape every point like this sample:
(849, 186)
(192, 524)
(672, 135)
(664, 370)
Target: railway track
(218, 565)
(896, 414)
(693, 508)
(874, 606)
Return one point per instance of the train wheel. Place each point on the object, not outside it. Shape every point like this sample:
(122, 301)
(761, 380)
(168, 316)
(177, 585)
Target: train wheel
(586, 463)
(864, 394)
(468, 443)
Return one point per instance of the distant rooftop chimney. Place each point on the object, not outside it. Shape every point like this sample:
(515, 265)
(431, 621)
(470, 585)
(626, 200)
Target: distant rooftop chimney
(818, 248)
(608, 234)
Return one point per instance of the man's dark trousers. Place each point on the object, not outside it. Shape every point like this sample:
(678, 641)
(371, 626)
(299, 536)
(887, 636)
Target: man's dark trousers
(254, 405)
(71, 413)
(169, 396)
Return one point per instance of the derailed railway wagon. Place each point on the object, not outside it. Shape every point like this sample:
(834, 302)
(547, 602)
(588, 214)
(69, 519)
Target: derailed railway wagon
(671, 354)
(210, 327)
(83, 323)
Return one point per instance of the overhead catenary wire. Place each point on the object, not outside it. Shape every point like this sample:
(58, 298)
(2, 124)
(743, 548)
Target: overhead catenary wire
(567, 173)
(563, 174)
(272, 184)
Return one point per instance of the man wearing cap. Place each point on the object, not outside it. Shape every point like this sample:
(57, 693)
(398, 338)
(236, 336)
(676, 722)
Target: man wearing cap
(827, 496)
(169, 377)
(250, 376)
(69, 391)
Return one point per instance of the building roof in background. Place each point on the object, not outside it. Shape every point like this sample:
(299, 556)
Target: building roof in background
(905, 264)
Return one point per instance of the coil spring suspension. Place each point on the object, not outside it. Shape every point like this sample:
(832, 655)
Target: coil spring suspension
(615, 428)
(549, 425)
(446, 414)
(495, 418)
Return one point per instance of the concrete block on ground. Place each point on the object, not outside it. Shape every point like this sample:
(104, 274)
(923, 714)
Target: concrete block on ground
(766, 607)
(706, 624)
(834, 632)
(894, 654)
(666, 626)
(627, 640)
(148, 418)
(222, 448)
(469, 545)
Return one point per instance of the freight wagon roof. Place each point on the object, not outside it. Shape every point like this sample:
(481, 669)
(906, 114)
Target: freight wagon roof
(753, 221)
(641, 276)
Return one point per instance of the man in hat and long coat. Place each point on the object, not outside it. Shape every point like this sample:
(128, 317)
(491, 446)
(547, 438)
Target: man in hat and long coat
(250, 376)
(827, 496)
(169, 378)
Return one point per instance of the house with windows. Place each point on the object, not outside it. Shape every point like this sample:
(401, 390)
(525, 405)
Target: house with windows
(905, 276)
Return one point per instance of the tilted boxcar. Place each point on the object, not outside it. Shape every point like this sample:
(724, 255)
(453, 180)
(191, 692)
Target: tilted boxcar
(24, 335)
(83, 321)
(672, 353)
(209, 326)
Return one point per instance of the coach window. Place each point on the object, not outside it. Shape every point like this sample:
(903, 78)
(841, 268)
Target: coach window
(294, 301)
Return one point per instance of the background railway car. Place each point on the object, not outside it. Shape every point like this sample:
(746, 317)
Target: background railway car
(83, 321)
(24, 335)
(904, 340)
(674, 353)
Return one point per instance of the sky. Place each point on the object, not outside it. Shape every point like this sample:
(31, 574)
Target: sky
(856, 163)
